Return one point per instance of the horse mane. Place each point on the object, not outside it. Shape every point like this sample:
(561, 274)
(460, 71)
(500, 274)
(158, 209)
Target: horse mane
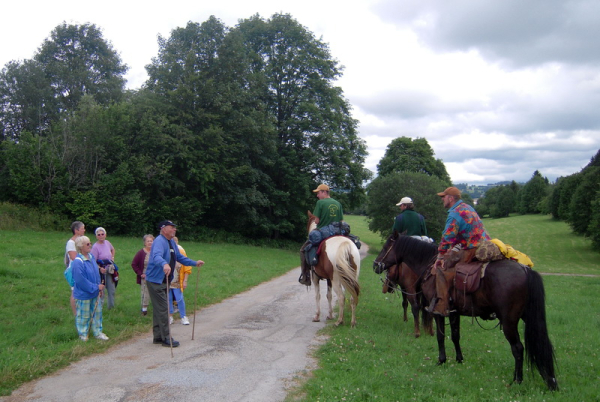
(418, 254)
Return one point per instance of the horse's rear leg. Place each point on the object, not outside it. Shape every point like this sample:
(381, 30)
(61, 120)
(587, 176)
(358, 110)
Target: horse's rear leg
(329, 300)
(341, 303)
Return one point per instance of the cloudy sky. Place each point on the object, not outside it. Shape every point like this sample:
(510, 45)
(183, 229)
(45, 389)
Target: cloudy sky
(498, 88)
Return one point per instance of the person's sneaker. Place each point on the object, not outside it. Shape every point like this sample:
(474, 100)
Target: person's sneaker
(167, 344)
(144, 312)
(102, 336)
(170, 320)
(83, 338)
(185, 321)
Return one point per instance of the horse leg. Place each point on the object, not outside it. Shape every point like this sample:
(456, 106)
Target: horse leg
(455, 330)
(441, 335)
(315, 281)
(329, 300)
(404, 305)
(339, 291)
(511, 333)
(415, 307)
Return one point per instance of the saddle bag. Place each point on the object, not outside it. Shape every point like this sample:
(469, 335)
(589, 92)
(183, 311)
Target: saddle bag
(468, 276)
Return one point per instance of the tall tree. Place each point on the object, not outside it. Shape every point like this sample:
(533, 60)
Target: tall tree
(404, 154)
(78, 61)
(316, 134)
(26, 99)
(533, 192)
(384, 192)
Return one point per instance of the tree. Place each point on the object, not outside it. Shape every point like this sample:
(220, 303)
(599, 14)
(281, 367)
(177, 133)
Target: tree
(533, 192)
(583, 197)
(317, 139)
(78, 61)
(407, 155)
(384, 192)
(26, 100)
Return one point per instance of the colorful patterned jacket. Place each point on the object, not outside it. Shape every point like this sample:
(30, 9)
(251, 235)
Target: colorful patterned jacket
(463, 227)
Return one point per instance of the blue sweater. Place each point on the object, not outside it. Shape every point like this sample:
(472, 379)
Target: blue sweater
(160, 255)
(86, 277)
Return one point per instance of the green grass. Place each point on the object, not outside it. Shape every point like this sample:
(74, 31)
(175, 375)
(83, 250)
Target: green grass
(380, 360)
(36, 323)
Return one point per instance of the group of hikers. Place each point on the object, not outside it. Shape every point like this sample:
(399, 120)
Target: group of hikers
(463, 231)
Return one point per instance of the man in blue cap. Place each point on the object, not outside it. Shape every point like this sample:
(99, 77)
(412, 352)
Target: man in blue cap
(161, 263)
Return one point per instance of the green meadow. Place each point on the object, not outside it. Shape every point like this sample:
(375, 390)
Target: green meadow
(379, 360)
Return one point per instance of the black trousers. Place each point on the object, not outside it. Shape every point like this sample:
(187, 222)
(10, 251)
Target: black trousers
(160, 310)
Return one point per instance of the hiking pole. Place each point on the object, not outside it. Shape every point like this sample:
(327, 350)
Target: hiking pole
(195, 303)
(168, 317)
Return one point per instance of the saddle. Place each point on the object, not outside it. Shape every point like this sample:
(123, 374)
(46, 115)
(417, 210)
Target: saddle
(468, 276)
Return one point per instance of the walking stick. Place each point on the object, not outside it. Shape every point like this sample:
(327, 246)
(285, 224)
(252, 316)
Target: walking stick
(168, 318)
(195, 302)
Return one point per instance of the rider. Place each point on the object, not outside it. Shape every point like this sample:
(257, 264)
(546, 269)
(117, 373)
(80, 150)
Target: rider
(464, 230)
(409, 222)
(327, 211)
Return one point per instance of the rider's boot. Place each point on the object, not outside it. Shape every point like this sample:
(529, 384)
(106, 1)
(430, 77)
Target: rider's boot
(442, 280)
(304, 278)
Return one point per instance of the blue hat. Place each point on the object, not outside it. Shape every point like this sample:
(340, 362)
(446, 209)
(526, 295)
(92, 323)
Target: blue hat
(165, 223)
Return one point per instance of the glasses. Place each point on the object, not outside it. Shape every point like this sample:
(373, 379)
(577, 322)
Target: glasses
(88, 244)
(101, 234)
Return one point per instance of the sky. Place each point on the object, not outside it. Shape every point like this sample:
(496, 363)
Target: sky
(499, 89)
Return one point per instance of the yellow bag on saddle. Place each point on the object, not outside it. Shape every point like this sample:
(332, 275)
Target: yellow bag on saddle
(510, 252)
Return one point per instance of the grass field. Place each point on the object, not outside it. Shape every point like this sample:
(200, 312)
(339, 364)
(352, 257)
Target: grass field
(379, 360)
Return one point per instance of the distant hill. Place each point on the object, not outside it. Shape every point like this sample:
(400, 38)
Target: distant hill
(478, 191)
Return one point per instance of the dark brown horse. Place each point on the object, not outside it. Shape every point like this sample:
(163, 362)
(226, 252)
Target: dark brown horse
(339, 264)
(509, 291)
(403, 278)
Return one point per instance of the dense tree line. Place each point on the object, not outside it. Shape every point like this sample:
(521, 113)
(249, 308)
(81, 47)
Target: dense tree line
(232, 130)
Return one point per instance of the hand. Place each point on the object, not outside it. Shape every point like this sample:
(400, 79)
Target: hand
(199, 263)
(184, 285)
(101, 287)
(167, 269)
(102, 270)
(143, 276)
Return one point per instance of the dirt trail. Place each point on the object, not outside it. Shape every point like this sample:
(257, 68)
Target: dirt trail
(250, 347)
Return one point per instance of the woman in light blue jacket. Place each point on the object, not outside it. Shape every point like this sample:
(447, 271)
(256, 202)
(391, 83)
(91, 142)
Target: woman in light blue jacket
(87, 291)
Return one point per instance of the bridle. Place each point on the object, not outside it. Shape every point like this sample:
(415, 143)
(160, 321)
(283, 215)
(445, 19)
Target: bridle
(380, 264)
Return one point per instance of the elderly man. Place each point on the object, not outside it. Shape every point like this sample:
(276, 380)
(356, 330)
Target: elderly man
(409, 222)
(464, 230)
(163, 256)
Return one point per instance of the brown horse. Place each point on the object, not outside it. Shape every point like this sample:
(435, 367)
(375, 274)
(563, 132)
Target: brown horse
(339, 265)
(402, 277)
(509, 291)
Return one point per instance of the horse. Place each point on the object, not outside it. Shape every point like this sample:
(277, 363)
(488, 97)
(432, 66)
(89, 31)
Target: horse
(509, 292)
(402, 277)
(339, 265)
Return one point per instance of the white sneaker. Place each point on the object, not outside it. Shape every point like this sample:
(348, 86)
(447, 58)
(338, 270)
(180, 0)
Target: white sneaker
(185, 321)
(102, 336)
(170, 320)
(83, 338)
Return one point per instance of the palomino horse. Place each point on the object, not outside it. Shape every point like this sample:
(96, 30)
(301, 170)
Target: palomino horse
(509, 291)
(403, 278)
(339, 264)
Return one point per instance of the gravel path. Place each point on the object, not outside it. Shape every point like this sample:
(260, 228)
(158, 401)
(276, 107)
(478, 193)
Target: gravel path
(250, 347)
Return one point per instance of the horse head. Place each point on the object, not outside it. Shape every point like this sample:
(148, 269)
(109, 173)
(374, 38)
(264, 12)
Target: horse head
(387, 256)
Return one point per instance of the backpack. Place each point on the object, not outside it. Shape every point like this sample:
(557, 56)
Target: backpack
(69, 272)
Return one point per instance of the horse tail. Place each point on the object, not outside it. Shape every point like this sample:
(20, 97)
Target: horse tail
(348, 275)
(540, 353)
